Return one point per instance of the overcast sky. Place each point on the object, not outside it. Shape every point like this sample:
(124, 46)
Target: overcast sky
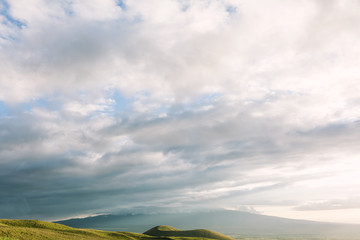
(166, 105)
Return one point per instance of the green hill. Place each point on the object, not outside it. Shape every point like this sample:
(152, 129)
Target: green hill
(40, 230)
(173, 232)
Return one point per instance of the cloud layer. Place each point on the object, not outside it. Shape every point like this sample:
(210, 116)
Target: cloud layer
(109, 105)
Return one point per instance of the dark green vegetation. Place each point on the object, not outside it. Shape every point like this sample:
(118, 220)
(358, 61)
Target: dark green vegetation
(39, 230)
(170, 231)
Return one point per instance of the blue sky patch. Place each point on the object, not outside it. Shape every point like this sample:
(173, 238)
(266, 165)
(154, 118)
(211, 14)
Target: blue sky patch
(4, 111)
(121, 102)
(121, 4)
(5, 12)
(231, 9)
(44, 103)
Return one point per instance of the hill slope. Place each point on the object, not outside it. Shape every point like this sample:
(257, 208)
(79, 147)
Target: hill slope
(36, 230)
(40, 230)
(173, 232)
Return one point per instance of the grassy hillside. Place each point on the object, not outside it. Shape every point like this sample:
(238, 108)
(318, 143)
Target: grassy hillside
(39, 230)
(173, 232)
(33, 229)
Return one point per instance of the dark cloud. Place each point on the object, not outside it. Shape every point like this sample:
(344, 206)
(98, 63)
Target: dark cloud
(147, 172)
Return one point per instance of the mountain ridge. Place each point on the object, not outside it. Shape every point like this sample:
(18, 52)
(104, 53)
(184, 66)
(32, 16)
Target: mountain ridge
(224, 221)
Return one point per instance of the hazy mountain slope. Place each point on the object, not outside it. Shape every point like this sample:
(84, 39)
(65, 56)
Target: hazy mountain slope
(173, 232)
(224, 221)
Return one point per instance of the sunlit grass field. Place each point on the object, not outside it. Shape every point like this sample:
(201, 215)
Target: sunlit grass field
(40, 230)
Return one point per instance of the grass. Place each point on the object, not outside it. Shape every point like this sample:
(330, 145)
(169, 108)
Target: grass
(40, 230)
(173, 232)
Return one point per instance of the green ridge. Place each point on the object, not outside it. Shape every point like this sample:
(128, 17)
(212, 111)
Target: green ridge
(162, 231)
(40, 230)
(166, 228)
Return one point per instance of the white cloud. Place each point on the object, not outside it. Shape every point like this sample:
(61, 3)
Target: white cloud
(99, 10)
(330, 204)
(214, 95)
(86, 109)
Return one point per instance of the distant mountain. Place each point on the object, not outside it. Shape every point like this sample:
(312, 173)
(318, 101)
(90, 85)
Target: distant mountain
(167, 231)
(224, 221)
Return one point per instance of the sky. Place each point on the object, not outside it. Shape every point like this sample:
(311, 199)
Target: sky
(109, 106)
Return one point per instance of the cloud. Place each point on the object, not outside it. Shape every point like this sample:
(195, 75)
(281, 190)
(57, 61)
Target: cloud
(205, 103)
(334, 204)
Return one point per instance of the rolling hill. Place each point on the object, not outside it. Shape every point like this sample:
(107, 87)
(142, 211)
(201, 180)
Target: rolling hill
(36, 230)
(171, 231)
(39, 230)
